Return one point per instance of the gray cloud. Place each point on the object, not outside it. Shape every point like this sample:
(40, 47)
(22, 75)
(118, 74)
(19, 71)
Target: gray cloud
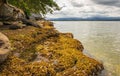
(87, 8)
(100, 12)
(76, 4)
(108, 2)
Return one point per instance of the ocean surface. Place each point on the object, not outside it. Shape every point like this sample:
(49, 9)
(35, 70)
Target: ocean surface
(101, 40)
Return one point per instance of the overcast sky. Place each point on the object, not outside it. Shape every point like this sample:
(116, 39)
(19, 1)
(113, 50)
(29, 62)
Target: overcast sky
(87, 8)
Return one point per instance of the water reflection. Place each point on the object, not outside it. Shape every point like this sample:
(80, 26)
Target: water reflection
(100, 39)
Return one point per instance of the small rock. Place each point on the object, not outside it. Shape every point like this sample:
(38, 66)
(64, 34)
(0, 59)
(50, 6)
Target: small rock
(45, 24)
(7, 23)
(48, 24)
(4, 47)
(17, 25)
(30, 23)
(70, 35)
(1, 24)
(39, 23)
(41, 58)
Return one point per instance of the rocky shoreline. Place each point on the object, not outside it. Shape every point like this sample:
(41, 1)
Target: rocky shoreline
(44, 51)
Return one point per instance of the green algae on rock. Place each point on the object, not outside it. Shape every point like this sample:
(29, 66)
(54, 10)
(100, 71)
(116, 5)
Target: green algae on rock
(46, 52)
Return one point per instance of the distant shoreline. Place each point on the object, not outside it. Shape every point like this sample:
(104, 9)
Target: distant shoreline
(84, 20)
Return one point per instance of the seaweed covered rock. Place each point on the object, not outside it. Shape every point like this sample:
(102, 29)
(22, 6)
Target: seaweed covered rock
(46, 52)
(4, 47)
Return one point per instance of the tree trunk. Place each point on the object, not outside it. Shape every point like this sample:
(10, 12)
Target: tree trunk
(9, 12)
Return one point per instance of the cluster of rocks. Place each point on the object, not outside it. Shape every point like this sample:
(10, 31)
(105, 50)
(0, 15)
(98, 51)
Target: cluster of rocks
(17, 18)
(24, 22)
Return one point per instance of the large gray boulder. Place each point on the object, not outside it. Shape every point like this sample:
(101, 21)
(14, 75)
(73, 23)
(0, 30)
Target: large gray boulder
(4, 47)
(9, 12)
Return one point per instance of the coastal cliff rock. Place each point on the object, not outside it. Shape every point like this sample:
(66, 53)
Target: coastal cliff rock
(46, 52)
(4, 47)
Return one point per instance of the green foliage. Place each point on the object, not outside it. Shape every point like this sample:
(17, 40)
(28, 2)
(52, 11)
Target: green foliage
(36, 6)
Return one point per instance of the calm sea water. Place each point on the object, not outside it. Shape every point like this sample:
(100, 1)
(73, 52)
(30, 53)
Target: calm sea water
(101, 40)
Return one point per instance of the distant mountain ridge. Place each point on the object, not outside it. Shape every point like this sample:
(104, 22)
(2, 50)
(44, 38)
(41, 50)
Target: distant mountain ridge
(85, 19)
